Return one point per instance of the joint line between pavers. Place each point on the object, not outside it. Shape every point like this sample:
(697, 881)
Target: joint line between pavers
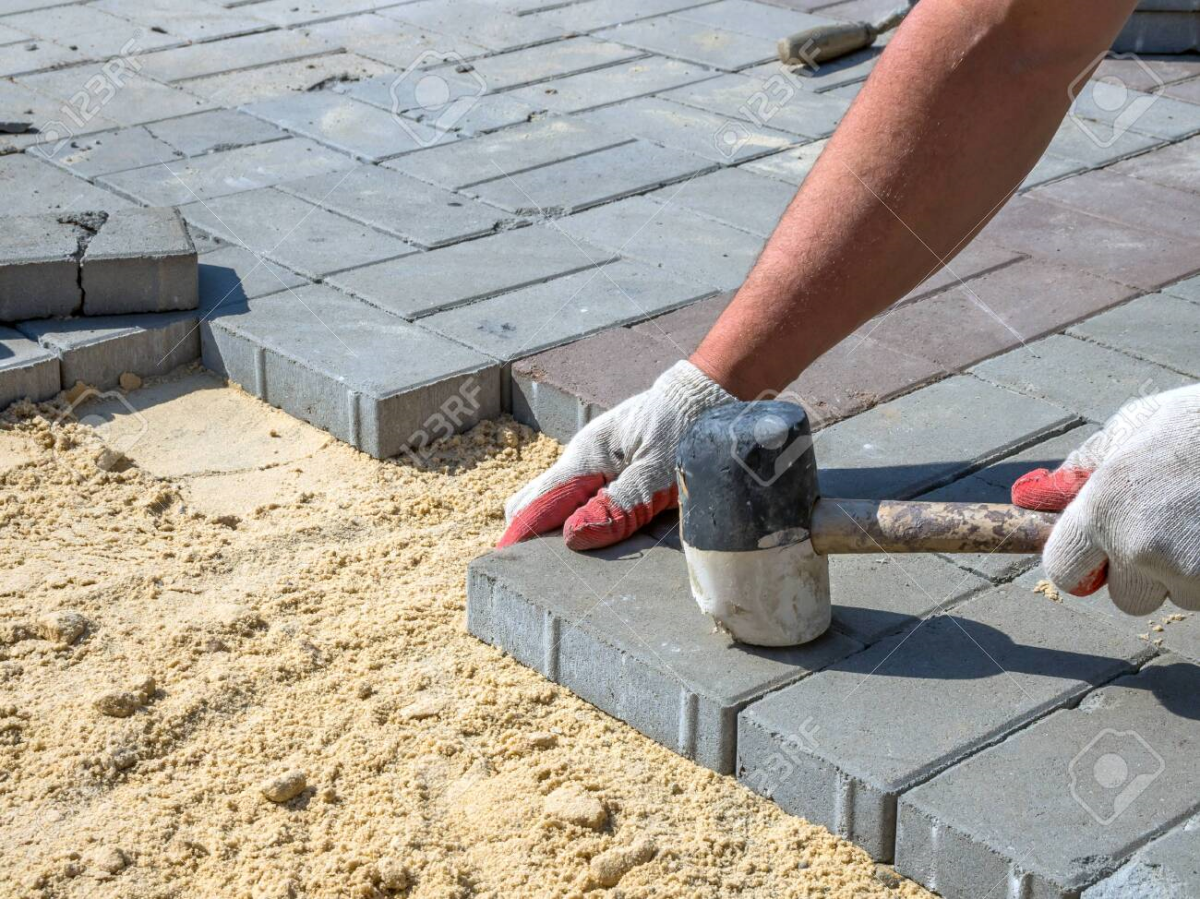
(1125, 351)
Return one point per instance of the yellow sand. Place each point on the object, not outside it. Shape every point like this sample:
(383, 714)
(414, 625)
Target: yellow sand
(299, 609)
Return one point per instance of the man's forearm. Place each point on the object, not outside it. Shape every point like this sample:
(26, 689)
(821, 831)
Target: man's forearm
(960, 107)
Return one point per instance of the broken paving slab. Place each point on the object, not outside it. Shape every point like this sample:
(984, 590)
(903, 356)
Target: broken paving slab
(293, 232)
(965, 679)
(619, 628)
(27, 370)
(1084, 377)
(1158, 327)
(586, 181)
(39, 266)
(536, 318)
(1168, 868)
(140, 260)
(420, 213)
(910, 445)
(98, 350)
(365, 376)
(1059, 806)
(424, 283)
(739, 97)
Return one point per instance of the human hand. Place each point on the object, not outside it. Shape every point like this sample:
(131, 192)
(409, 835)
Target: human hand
(1131, 495)
(619, 471)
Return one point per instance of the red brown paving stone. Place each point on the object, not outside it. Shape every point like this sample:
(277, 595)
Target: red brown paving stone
(684, 328)
(1077, 240)
(1188, 91)
(977, 258)
(1109, 195)
(1176, 165)
(996, 312)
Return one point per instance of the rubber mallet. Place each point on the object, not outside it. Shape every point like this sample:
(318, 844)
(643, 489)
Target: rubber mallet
(756, 535)
(825, 43)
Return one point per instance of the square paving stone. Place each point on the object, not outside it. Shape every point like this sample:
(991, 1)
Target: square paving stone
(966, 679)
(619, 628)
(791, 166)
(767, 23)
(134, 98)
(910, 445)
(39, 266)
(366, 376)
(1169, 868)
(1060, 805)
(995, 312)
(314, 73)
(203, 178)
(392, 202)
(671, 237)
(536, 318)
(692, 41)
(1112, 110)
(1075, 239)
(734, 197)
(33, 186)
(477, 23)
(369, 133)
(1158, 328)
(297, 234)
(141, 260)
(27, 371)
(231, 275)
(509, 152)
(764, 103)
(217, 129)
(692, 130)
(613, 84)
(1151, 207)
(1091, 380)
(424, 283)
(590, 180)
(98, 350)
(215, 58)
(1176, 165)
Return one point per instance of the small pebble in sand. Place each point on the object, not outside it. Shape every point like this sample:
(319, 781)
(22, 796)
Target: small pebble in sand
(573, 804)
(425, 707)
(129, 381)
(542, 740)
(73, 394)
(63, 626)
(112, 460)
(107, 861)
(283, 787)
(123, 703)
(393, 876)
(609, 867)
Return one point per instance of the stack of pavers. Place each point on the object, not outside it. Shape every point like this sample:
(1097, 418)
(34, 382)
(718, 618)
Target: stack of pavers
(91, 296)
(1161, 26)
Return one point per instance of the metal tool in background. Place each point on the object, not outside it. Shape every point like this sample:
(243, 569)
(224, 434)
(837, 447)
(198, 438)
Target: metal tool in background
(756, 534)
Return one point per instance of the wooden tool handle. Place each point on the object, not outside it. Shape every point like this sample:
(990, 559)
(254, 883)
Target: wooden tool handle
(896, 526)
(825, 42)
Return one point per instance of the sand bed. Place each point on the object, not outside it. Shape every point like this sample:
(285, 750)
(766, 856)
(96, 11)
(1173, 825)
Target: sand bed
(257, 683)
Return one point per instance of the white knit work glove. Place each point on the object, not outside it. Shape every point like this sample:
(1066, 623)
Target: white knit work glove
(619, 471)
(1132, 500)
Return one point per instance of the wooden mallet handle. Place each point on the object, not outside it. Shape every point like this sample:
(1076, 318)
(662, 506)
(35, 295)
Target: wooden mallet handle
(896, 526)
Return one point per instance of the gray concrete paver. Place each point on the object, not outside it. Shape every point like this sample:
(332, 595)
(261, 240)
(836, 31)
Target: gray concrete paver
(141, 260)
(27, 371)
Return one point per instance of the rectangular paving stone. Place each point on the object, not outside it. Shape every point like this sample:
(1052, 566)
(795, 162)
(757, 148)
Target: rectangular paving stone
(620, 629)
(913, 444)
(98, 350)
(1051, 168)
(462, 102)
(1103, 247)
(852, 68)
(977, 258)
(587, 181)
(1074, 142)
(995, 312)
(393, 202)
(292, 232)
(134, 98)
(217, 129)
(218, 57)
(665, 235)
(33, 187)
(1090, 380)
(1175, 165)
(1168, 868)
(1188, 91)
(509, 152)
(536, 318)
(193, 20)
(249, 85)
(696, 42)
(476, 22)
(366, 376)
(593, 15)
(39, 266)
(566, 57)
(734, 197)
(108, 151)
(1188, 289)
(205, 178)
(768, 23)
(1158, 328)
(1156, 116)
(424, 283)
(27, 371)
(141, 260)
(613, 84)
(692, 130)
(35, 56)
(393, 43)
(1163, 210)
(973, 827)
(761, 103)
(299, 12)
(231, 275)
(964, 680)
(358, 128)
(791, 166)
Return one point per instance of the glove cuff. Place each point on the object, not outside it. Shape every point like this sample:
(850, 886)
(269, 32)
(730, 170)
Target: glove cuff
(689, 390)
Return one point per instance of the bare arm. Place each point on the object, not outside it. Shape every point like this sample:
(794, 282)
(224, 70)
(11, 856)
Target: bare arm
(960, 107)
